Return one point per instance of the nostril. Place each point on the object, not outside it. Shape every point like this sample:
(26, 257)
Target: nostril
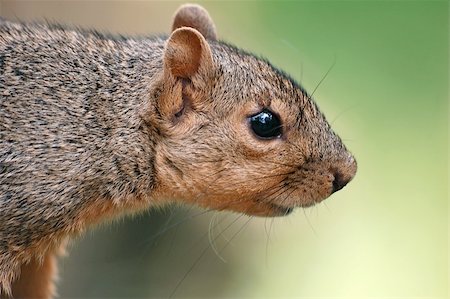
(339, 181)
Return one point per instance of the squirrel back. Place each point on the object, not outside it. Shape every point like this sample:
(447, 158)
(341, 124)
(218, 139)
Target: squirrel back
(93, 126)
(70, 135)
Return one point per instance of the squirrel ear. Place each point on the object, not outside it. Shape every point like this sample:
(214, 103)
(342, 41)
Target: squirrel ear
(195, 16)
(187, 53)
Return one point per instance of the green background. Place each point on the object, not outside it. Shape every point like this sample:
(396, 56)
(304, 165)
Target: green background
(384, 235)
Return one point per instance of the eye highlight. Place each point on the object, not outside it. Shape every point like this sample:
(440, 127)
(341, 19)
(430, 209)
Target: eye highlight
(266, 125)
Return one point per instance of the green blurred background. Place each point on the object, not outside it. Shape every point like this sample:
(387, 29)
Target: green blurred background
(384, 235)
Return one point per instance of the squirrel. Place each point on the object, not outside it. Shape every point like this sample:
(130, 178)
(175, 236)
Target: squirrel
(94, 126)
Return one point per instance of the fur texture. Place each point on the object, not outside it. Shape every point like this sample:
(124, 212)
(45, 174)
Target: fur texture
(93, 126)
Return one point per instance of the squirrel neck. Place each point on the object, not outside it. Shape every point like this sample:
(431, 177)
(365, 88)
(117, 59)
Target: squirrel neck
(122, 77)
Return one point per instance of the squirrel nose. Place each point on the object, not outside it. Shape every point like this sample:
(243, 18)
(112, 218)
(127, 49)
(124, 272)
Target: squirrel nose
(339, 181)
(343, 175)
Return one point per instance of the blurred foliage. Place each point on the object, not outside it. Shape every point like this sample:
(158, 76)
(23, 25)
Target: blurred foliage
(385, 235)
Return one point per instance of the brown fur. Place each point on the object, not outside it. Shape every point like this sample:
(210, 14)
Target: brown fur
(92, 127)
(36, 278)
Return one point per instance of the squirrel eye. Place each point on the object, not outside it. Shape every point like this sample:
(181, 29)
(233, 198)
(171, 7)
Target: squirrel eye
(266, 124)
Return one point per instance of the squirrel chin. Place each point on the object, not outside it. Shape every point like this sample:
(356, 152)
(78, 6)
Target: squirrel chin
(274, 210)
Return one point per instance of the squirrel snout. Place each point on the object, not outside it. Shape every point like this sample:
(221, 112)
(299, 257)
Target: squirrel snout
(339, 181)
(343, 174)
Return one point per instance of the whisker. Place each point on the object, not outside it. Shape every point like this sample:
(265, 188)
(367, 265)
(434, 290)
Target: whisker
(172, 241)
(211, 239)
(269, 197)
(203, 212)
(277, 194)
(309, 223)
(268, 241)
(200, 257)
(236, 233)
(292, 188)
(342, 113)
(326, 206)
(323, 78)
(203, 237)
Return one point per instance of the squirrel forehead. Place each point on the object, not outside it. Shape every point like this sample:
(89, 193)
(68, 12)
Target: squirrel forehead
(255, 75)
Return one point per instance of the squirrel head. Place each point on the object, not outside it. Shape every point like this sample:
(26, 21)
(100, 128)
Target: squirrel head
(234, 132)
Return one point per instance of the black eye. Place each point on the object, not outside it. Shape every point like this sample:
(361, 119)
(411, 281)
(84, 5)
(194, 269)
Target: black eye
(266, 124)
